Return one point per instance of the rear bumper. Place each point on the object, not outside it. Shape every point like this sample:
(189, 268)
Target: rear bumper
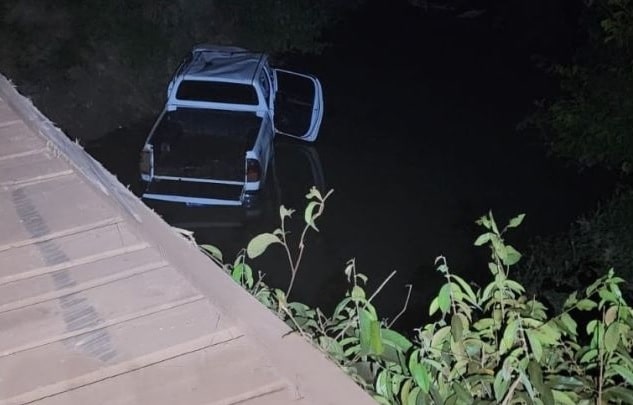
(198, 214)
(191, 200)
(201, 194)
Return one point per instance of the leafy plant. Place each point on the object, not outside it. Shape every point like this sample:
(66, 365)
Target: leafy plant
(590, 121)
(559, 264)
(488, 345)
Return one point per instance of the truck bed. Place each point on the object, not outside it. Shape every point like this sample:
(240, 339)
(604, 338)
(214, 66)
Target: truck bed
(204, 144)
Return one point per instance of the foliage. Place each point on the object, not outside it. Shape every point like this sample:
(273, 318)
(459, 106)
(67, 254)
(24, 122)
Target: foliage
(592, 120)
(95, 51)
(282, 26)
(559, 264)
(488, 345)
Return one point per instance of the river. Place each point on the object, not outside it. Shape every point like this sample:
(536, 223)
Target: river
(419, 140)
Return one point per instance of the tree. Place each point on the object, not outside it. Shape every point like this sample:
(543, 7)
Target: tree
(592, 121)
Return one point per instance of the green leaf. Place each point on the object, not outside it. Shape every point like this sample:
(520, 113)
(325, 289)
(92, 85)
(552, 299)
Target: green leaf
(586, 304)
(412, 398)
(285, 212)
(462, 393)
(535, 344)
(569, 323)
(243, 274)
(466, 288)
(308, 215)
(456, 327)
(565, 383)
(483, 221)
(493, 224)
(607, 296)
(444, 298)
(563, 398)
(396, 339)
(512, 256)
(592, 288)
(482, 239)
(381, 400)
(624, 372)
(588, 356)
(383, 384)
(213, 251)
(358, 292)
(514, 286)
(548, 334)
(439, 338)
(370, 340)
(592, 327)
(617, 394)
(509, 336)
(314, 193)
(331, 346)
(435, 305)
(516, 221)
(236, 274)
(610, 314)
(500, 386)
(404, 391)
(571, 300)
(536, 377)
(260, 243)
(612, 337)
(421, 377)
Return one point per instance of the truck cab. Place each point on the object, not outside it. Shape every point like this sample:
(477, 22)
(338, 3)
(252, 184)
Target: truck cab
(213, 142)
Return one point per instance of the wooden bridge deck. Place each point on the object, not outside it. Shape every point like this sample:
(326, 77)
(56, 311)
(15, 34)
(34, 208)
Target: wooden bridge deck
(102, 302)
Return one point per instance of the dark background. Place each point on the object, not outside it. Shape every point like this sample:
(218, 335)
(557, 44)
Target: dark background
(419, 138)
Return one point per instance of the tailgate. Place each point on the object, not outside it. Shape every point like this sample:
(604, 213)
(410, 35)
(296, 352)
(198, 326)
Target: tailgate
(194, 191)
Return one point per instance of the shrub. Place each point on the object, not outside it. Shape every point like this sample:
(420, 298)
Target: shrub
(488, 345)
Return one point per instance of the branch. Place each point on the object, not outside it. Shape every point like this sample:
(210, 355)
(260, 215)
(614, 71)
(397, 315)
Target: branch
(404, 308)
(381, 286)
(510, 393)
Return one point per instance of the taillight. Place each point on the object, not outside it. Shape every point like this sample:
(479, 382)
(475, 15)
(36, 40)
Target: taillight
(253, 170)
(145, 164)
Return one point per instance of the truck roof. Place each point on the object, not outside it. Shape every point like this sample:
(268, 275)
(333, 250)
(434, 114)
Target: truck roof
(223, 63)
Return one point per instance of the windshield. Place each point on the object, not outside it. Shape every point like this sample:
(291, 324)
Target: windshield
(217, 92)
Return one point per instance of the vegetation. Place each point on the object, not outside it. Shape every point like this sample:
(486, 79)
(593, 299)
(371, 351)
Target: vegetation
(563, 263)
(284, 26)
(591, 122)
(96, 51)
(488, 345)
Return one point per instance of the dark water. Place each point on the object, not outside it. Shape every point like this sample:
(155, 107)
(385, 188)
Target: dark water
(418, 141)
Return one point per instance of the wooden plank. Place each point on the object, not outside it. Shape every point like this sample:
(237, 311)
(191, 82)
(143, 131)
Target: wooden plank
(63, 233)
(18, 138)
(32, 166)
(75, 249)
(133, 346)
(232, 373)
(7, 115)
(23, 154)
(37, 210)
(45, 287)
(71, 315)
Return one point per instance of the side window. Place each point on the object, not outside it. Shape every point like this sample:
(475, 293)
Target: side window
(265, 85)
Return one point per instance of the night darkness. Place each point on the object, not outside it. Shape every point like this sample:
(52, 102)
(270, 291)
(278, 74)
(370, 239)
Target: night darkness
(423, 100)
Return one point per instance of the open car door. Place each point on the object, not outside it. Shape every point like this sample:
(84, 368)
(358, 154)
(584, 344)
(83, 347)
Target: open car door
(298, 105)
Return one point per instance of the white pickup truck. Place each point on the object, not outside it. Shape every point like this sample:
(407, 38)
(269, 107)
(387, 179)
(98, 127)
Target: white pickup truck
(213, 142)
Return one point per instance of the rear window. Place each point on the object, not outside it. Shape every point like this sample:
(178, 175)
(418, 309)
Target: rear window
(217, 92)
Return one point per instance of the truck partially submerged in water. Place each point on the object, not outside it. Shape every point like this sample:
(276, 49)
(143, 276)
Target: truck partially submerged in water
(213, 143)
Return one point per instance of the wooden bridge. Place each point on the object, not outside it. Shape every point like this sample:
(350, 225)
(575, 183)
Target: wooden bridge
(101, 302)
